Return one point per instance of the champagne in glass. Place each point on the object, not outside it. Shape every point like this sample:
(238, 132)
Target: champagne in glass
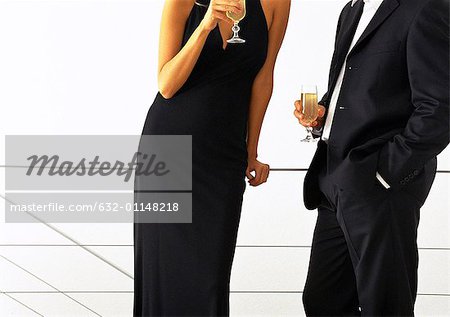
(237, 17)
(310, 109)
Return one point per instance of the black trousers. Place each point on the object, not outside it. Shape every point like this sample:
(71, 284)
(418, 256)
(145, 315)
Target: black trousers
(364, 254)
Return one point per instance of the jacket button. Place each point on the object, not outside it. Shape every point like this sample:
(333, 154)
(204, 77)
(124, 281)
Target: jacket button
(416, 172)
(402, 182)
(350, 67)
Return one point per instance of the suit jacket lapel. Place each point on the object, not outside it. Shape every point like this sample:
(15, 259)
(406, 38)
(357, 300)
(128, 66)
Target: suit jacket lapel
(385, 10)
(343, 42)
(346, 34)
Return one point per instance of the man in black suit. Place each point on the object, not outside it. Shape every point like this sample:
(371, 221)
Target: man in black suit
(386, 119)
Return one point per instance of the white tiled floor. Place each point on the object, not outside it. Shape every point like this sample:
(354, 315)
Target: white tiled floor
(68, 268)
(55, 305)
(13, 278)
(12, 308)
(280, 222)
(117, 305)
(121, 305)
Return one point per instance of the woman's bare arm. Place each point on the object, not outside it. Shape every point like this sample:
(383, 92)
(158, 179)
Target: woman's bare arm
(263, 87)
(175, 62)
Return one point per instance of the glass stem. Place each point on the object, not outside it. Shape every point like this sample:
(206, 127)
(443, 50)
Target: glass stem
(236, 29)
(309, 136)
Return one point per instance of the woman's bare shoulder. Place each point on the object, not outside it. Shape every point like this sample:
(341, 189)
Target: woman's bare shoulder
(275, 9)
(276, 4)
(179, 8)
(280, 5)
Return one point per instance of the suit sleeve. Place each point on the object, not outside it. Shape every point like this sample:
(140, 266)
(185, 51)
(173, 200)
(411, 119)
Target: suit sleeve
(427, 131)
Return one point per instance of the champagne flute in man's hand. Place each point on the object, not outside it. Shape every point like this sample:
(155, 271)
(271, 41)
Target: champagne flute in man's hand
(308, 112)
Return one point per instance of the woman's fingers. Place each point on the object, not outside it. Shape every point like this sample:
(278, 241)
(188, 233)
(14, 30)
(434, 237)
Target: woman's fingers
(261, 175)
(248, 173)
(227, 5)
(218, 9)
(226, 8)
(233, 3)
(266, 171)
(264, 174)
(221, 16)
(257, 179)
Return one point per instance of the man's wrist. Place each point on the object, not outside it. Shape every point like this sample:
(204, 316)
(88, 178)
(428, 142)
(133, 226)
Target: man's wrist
(317, 131)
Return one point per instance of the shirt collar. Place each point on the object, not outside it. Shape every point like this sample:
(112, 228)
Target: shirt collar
(371, 2)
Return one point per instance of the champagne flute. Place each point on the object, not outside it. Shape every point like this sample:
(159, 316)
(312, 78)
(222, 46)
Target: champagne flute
(310, 109)
(236, 19)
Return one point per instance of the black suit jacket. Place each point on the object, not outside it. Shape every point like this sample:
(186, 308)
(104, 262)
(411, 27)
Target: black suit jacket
(392, 114)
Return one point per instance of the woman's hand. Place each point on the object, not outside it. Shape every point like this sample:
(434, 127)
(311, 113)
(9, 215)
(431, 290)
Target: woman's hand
(217, 11)
(260, 170)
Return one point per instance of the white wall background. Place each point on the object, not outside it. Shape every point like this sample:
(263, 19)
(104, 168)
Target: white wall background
(89, 67)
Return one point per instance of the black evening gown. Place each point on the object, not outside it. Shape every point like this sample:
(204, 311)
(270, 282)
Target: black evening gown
(184, 269)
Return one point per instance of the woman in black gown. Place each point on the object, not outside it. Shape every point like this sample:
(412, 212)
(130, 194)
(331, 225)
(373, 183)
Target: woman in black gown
(218, 93)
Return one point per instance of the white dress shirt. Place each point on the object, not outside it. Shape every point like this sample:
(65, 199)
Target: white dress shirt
(370, 8)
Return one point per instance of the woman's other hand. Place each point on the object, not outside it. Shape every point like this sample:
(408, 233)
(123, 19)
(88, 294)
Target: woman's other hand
(257, 172)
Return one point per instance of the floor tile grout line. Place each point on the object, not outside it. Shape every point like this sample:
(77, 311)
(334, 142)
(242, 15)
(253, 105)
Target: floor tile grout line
(50, 285)
(8, 294)
(238, 246)
(232, 292)
(98, 256)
